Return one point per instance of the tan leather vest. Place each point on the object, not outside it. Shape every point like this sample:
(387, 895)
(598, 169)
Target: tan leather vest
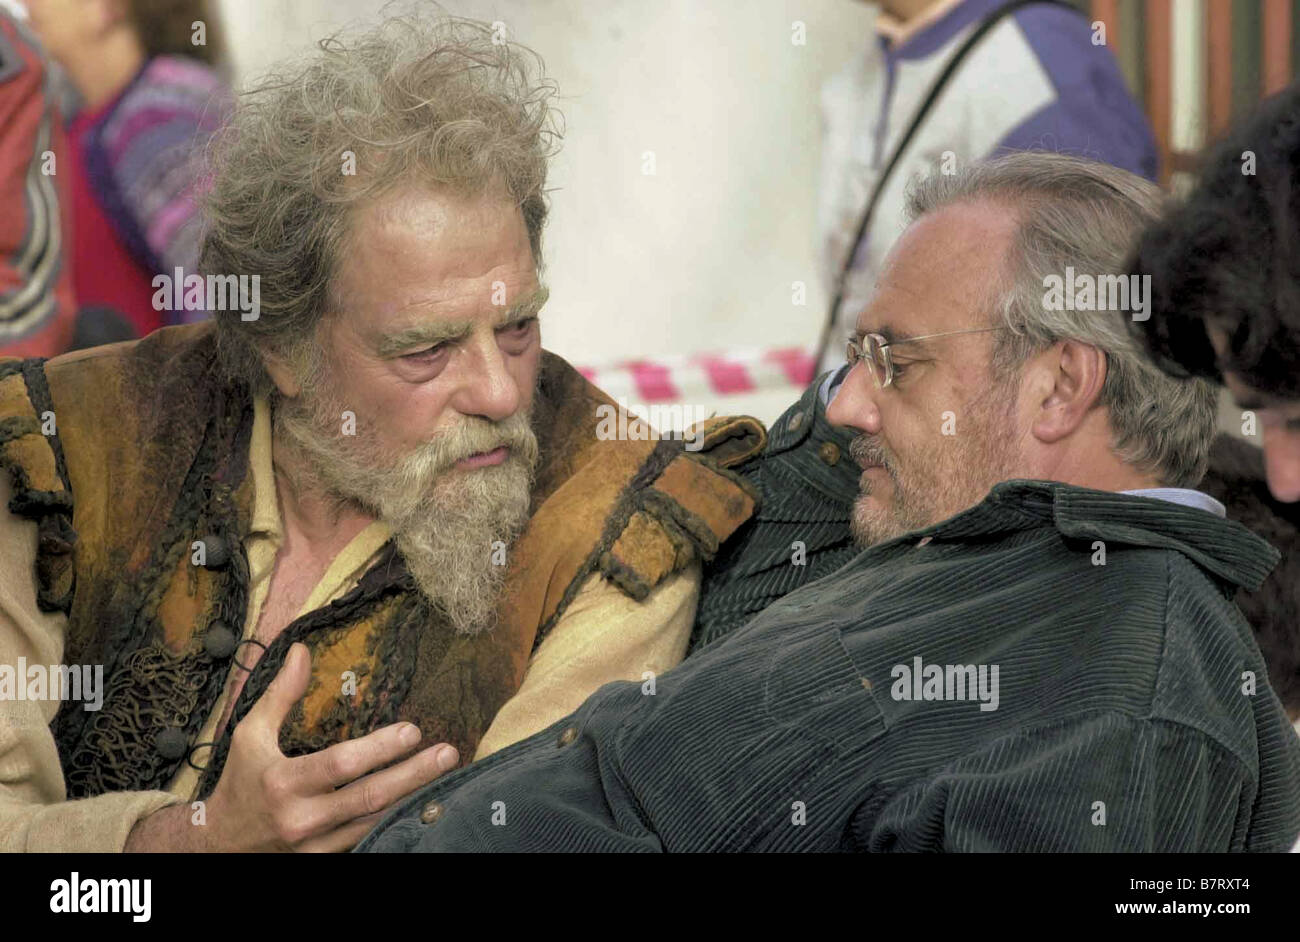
(127, 455)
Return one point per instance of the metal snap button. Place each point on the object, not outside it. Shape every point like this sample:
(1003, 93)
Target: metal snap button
(219, 641)
(431, 813)
(216, 551)
(171, 743)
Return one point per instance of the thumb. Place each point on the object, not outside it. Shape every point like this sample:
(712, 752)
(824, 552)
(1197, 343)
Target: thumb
(288, 687)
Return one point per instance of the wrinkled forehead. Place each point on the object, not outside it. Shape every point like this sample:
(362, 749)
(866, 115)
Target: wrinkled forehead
(418, 254)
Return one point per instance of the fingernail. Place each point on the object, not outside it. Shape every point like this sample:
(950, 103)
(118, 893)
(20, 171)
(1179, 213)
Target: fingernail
(409, 736)
(447, 759)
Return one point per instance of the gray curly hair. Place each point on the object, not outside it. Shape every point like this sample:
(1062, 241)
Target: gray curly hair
(439, 102)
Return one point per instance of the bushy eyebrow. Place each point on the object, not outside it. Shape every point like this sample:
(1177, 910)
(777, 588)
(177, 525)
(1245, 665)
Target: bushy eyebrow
(428, 335)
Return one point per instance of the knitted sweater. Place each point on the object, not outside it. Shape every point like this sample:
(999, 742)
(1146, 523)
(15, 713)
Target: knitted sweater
(144, 157)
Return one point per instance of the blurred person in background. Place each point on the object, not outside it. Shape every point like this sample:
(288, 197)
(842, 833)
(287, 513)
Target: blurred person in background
(1225, 280)
(36, 302)
(1036, 80)
(149, 99)
(1225, 305)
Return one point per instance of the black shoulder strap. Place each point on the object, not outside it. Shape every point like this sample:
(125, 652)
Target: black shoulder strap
(927, 103)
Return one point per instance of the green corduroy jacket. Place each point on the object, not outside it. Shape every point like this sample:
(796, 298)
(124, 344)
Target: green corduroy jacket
(807, 484)
(1082, 702)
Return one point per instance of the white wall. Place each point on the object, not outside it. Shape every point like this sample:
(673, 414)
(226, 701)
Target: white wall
(701, 256)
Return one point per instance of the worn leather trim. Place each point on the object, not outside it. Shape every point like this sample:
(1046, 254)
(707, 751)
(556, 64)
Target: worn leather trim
(729, 440)
(650, 533)
(40, 480)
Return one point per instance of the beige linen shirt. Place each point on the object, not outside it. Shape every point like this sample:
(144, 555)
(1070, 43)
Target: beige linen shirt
(603, 636)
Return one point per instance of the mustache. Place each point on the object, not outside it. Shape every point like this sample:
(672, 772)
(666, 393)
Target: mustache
(867, 451)
(472, 436)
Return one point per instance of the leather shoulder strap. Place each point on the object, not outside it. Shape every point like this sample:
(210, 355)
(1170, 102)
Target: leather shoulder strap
(634, 508)
(30, 453)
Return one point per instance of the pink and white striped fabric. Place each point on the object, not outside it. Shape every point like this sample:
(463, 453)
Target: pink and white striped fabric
(691, 378)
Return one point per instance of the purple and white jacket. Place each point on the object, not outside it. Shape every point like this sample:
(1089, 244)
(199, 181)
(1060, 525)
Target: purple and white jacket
(1034, 82)
(145, 160)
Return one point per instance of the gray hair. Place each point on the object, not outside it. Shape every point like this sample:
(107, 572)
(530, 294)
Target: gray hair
(1084, 215)
(438, 102)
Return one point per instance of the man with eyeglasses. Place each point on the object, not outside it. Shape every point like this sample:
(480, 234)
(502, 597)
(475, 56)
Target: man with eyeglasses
(1033, 650)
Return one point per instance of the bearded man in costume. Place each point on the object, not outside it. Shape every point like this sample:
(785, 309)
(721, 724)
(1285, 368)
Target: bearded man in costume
(367, 514)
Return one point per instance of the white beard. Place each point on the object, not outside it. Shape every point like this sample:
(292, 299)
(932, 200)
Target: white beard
(445, 520)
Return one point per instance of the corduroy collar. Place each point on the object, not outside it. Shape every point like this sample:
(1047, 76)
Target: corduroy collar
(1223, 547)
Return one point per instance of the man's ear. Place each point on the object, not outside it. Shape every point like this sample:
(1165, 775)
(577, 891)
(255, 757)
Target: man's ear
(1074, 374)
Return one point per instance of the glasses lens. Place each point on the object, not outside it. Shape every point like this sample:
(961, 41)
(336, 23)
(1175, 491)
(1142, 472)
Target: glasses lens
(877, 359)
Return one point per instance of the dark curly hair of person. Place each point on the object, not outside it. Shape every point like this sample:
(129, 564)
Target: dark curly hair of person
(166, 27)
(1236, 479)
(1228, 257)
